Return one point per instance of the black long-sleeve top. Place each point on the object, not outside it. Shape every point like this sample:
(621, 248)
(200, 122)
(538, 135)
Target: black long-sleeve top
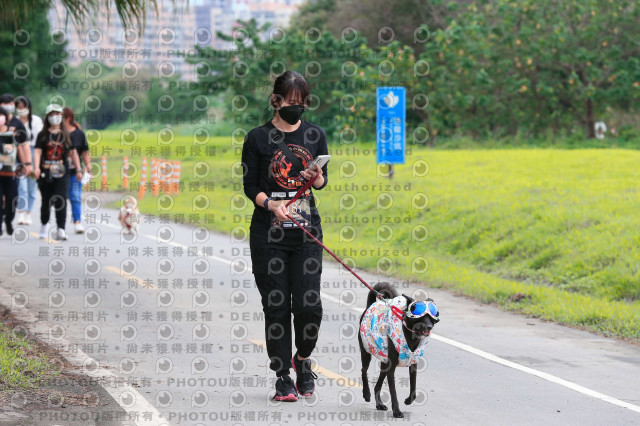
(268, 170)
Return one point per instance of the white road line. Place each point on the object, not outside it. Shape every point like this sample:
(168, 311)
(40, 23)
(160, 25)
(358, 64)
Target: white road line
(549, 377)
(486, 355)
(119, 391)
(546, 376)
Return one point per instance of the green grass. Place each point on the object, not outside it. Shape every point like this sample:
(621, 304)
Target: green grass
(547, 232)
(22, 365)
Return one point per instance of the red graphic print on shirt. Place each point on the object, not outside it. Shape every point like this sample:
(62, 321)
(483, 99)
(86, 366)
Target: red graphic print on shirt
(282, 169)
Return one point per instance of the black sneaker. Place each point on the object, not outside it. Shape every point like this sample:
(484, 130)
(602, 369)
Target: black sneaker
(305, 383)
(285, 389)
(9, 228)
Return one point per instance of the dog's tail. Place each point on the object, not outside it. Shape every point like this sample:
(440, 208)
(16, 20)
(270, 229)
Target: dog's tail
(387, 291)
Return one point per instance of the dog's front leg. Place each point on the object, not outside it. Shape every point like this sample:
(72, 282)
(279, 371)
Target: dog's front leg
(395, 407)
(384, 367)
(413, 370)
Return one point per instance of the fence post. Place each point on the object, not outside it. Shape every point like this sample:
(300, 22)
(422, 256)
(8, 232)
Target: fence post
(104, 172)
(176, 176)
(143, 179)
(154, 177)
(125, 173)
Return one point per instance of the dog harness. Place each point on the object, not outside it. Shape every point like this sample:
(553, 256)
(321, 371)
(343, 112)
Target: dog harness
(126, 219)
(380, 323)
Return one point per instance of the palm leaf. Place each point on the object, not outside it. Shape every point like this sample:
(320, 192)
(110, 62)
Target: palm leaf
(132, 13)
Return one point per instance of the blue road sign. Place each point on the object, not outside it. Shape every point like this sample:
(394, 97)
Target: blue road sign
(390, 124)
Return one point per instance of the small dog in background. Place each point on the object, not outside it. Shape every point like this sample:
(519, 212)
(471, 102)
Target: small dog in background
(129, 215)
(395, 331)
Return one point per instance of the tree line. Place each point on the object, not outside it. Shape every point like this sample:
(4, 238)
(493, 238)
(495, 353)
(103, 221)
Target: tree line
(485, 68)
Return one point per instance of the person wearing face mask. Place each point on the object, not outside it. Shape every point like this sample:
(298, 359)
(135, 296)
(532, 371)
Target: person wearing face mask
(79, 141)
(27, 185)
(14, 126)
(286, 263)
(53, 146)
(7, 179)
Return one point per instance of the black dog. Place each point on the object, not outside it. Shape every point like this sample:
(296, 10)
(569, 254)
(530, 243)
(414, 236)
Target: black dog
(381, 335)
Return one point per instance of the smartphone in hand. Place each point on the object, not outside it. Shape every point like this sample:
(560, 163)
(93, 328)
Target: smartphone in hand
(320, 160)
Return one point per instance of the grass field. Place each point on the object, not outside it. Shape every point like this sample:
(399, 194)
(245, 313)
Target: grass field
(22, 365)
(547, 232)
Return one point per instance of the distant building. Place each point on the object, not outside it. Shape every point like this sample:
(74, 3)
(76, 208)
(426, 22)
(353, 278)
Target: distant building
(105, 40)
(168, 37)
(222, 15)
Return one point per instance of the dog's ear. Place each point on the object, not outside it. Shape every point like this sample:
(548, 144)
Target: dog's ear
(409, 299)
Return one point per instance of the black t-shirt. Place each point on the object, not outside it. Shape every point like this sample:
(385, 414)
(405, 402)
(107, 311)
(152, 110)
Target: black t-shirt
(79, 142)
(268, 170)
(54, 150)
(19, 130)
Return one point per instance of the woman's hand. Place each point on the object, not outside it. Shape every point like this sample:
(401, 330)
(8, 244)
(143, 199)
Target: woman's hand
(309, 174)
(36, 172)
(79, 176)
(277, 207)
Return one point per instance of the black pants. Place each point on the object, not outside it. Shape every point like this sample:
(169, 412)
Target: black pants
(54, 194)
(8, 190)
(288, 278)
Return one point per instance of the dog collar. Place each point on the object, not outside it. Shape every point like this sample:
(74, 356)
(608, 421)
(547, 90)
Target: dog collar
(398, 312)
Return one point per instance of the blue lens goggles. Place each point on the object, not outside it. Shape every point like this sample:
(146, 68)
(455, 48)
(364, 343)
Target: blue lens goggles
(422, 308)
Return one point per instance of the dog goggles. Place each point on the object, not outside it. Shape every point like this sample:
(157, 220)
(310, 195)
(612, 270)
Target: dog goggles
(421, 308)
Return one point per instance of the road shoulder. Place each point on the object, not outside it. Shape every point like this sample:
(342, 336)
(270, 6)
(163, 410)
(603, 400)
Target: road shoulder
(69, 397)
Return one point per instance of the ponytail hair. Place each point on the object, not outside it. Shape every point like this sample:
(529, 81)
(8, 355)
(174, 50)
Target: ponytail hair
(68, 113)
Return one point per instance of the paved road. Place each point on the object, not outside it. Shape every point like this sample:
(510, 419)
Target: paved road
(175, 325)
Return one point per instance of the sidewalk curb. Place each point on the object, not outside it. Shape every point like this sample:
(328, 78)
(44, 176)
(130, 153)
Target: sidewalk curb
(116, 400)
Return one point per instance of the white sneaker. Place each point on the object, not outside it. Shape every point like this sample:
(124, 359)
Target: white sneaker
(43, 231)
(61, 235)
(21, 220)
(79, 228)
(27, 218)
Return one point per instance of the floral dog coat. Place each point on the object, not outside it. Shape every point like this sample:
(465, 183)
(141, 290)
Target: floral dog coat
(378, 323)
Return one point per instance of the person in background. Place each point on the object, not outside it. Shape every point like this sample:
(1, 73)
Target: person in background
(6, 179)
(79, 142)
(16, 127)
(53, 146)
(27, 185)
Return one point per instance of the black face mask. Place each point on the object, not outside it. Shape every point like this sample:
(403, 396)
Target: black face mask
(292, 113)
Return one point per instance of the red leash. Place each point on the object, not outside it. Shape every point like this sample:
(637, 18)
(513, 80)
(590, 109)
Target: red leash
(302, 191)
(298, 195)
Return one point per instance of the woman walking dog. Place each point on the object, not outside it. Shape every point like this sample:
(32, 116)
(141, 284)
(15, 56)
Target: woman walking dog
(286, 263)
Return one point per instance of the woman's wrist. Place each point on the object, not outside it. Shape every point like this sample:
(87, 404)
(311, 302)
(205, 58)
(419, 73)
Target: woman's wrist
(266, 203)
(318, 182)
